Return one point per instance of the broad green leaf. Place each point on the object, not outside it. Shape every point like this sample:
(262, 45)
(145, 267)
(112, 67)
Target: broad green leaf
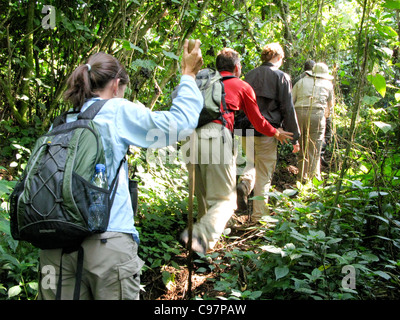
(257, 198)
(397, 96)
(380, 218)
(4, 226)
(340, 259)
(357, 184)
(386, 30)
(392, 4)
(370, 101)
(271, 249)
(382, 274)
(171, 55)
(280, 272)
(148, 64)
(385, 127)
(269, 219)
(289, 192)
(254, 295)
(168, 279)
(317, 273)
(317, 234)
(379, 83)
(14, 291)
(130, 46)
(5, 187)
(33, 285)
(369, 257)
(334, 240)
(375, 194)
(289, 246)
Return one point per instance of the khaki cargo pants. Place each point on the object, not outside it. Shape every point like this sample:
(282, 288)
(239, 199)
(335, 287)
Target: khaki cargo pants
(111, 269)
(215, 182)
(312, 123)
(261, 156)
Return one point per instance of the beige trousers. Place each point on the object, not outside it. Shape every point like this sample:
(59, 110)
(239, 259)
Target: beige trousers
(261, 156)
(215, 181)
(312, 123)
(111, 269)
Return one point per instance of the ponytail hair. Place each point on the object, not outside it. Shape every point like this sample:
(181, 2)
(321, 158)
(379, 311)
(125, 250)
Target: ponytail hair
(87, 79)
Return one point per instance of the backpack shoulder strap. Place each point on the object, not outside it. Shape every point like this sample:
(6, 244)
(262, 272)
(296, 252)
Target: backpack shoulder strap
(228, 77)
(62, 118)
(92, 111)
(223, 101)
(225, 109)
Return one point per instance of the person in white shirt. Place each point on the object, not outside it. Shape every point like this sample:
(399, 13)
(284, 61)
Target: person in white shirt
(313, 98)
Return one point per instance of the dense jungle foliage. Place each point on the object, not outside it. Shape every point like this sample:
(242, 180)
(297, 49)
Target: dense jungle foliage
(321, 232)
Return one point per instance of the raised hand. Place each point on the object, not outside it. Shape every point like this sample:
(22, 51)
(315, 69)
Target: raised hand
(191, 60)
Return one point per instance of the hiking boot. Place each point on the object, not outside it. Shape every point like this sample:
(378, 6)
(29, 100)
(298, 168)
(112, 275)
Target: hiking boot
(231, 222)
(198, 244)
(242, 194)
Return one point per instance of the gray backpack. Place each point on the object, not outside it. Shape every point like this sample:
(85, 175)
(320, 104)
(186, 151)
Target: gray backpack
(210, 83)
(49, 207)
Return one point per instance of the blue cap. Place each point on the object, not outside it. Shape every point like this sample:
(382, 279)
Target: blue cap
(100, 167)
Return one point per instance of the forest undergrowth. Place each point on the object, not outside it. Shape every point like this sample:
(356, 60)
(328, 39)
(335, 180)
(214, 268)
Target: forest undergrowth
(309, 248)
(314, 245)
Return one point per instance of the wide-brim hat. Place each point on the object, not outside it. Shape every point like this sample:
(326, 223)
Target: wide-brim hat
(320, 70)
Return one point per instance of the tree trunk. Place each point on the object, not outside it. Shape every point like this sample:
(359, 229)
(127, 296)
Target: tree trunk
(24, 92)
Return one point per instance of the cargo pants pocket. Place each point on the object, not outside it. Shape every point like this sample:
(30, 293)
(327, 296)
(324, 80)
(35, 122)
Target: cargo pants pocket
(129, 277)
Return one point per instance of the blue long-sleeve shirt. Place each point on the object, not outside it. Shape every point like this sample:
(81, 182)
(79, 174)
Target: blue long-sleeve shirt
(122, 123)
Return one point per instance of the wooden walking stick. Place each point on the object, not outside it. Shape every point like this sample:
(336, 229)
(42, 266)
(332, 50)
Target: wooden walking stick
(191, 168)
(190, 211)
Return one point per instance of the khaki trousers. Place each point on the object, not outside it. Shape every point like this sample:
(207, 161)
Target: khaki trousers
(312, 123)
(261, 157)
(215, 181)
(111, 269)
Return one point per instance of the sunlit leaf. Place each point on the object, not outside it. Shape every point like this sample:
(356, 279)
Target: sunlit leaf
(14, 291)
(171, 55)
(397, 96)
(375, 194)
(392, 4)
(385, 127)
(386, 30)
(271, 249)
(379, 83)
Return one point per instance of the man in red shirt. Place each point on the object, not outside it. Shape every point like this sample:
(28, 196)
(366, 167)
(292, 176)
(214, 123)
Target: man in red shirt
(215, 170)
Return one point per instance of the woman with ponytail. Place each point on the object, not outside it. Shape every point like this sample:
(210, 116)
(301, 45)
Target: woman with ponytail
(111, 267)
